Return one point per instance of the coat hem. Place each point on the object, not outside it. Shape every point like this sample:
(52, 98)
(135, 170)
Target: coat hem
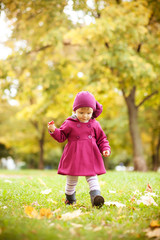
(81, 175)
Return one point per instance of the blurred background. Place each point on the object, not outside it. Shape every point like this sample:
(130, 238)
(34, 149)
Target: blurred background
(50, 50)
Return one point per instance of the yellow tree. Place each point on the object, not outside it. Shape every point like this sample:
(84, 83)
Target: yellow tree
(122, 46)
(37, 66)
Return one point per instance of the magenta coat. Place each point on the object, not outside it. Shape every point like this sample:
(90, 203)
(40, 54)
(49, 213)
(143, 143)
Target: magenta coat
(82, 153)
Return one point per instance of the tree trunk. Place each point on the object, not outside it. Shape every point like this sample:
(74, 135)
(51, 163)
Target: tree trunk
(41, 145)
(156, 156)
(138, 158)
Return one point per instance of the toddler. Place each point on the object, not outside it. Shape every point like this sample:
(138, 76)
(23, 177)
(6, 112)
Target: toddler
(86, 143)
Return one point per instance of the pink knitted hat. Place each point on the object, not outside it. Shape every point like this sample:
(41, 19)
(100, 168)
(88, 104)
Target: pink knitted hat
(86, 99)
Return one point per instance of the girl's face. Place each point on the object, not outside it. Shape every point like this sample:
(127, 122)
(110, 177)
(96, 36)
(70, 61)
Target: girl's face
(84, 114)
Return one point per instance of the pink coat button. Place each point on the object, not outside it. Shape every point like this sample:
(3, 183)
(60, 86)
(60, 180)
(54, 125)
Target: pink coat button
(89, 136)
(78, 125)
(78, 137)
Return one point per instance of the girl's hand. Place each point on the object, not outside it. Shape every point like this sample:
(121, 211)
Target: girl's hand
(51, 126)
(106, 153)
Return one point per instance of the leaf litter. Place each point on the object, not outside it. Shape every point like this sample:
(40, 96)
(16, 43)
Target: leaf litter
(154, 230)
(147, 198)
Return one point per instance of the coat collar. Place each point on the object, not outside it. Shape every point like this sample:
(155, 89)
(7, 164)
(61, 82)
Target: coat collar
(75, 119)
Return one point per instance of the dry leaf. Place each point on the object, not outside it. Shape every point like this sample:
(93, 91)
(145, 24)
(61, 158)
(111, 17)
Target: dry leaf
(136, 192)
(96, 229)
(110, 191)
(31, 212)
(151, 194)
(47, 191)
(147, 200)
(4, 207)
(75, 225)
(8, 181)
(44, 212)
(117, 204)
(56, 211)
(73, 231)
(58, 227)
(41, 181)
(133, 199)
(149, 188)
(154, 224)
(50, 200)
(153, 233)
(51, 225)
(71, 215)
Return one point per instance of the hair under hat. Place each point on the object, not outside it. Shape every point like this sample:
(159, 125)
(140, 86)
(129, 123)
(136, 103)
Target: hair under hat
(86, 99)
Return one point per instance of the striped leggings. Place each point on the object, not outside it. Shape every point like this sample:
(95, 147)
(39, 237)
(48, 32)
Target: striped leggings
(72, 182)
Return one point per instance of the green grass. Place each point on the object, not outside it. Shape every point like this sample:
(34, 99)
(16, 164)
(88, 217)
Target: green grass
(105, 223)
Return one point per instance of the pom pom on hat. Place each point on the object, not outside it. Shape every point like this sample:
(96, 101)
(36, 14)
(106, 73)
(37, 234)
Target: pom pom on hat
(86, 99)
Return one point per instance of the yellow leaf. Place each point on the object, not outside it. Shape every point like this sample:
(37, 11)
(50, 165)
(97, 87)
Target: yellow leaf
(44, 212)
(154, 224)
(31, 212)
(41, 181)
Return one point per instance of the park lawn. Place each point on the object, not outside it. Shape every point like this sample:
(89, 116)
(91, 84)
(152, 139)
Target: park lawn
(20, 189)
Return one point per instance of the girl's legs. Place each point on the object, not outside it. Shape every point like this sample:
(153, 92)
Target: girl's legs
(96, 198)
(71, 183)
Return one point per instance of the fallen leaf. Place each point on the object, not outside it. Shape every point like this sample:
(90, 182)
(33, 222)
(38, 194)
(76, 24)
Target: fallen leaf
(133, 199)
(131, 207)
(151, 194)
(50, 200)
(96, 229)
(154, 224)
(71, 215)
(56, 211)
(117, 204)
(31, 212)
(47, 191)
(149, 188)
(76, 225)
(4, 207)
(153, 233)
(110, 191)
(51, 225)
(147, 200)
(44, 212)
(41, 181)
(58, 227)
(72, 231)
(8, 181)
(88, 227)
(136, 192)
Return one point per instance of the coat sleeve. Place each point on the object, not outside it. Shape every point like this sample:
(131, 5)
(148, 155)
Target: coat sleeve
(101, 139)
(61, 134)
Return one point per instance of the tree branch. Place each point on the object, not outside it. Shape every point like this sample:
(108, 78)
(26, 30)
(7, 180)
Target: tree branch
(106, 44)
(146, 98)
(39, 49)
(139, 47)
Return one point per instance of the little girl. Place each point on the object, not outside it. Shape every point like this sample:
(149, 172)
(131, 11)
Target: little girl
(86, 143)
